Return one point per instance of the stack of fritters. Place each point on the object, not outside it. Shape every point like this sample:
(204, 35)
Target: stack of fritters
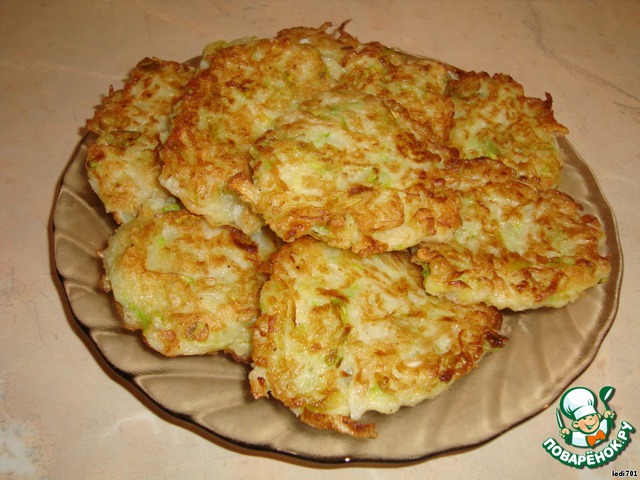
(346, 218)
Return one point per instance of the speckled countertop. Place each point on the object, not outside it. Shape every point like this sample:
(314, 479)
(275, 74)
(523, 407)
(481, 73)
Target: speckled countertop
(62, 416)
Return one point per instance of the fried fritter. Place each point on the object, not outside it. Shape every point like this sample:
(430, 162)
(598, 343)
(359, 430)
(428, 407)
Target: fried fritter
(493, 118)
(340, 335)
(344, 170)
(413, 87)
(518, 247)
(244, 88)
(122, 164)
(191, 288)
(332, 45)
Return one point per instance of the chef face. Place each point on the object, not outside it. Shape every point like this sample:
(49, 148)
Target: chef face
(588, 424)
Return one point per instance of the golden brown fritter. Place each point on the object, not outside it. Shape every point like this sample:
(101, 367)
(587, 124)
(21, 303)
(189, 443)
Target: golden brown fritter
(122, 163)
(517, 247)
(493, 118)
(332, 45)
(191, 288)
(244, 87)
(344, 170)
(413, 87)
(340, 335)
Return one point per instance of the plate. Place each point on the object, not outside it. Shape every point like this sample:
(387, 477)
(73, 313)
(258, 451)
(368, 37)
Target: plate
(547, 350)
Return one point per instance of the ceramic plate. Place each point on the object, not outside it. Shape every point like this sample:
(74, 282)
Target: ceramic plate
(547, 350)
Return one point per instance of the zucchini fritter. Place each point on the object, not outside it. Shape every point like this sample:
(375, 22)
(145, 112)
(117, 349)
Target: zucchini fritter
(192, 289)
(243, 87)
(122, 164)
(518, 247)
(344, 170)
(332, 45)
(340, 335)
(413, 87)
(493, 118)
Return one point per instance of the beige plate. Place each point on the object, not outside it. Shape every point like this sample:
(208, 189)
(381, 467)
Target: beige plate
(547, 350)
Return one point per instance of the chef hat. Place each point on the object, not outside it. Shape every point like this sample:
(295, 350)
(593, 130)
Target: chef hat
(578, 402)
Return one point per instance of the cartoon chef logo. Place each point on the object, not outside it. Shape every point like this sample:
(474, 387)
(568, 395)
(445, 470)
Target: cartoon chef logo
(589, 427)
(582, 425)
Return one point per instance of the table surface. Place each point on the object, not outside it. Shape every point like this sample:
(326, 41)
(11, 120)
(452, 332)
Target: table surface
(63, 416)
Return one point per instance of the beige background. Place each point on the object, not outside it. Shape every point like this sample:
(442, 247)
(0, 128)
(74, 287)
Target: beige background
(63, 417)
